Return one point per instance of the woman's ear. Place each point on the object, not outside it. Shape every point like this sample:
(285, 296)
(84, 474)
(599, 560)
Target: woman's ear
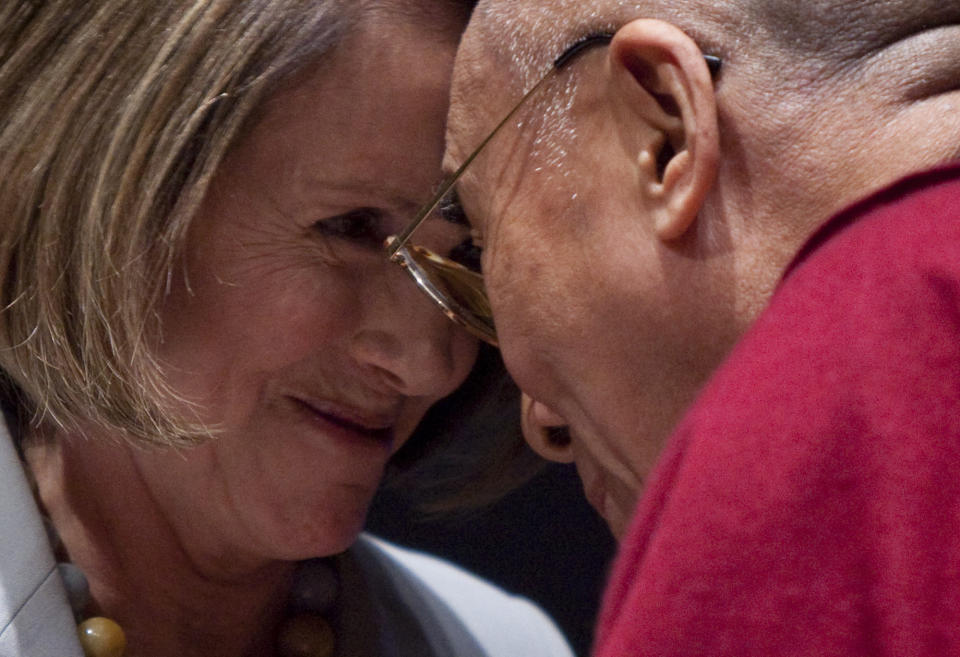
(664, 80)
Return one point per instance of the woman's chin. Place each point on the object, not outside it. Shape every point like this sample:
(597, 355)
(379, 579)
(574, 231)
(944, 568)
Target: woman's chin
(323, 536)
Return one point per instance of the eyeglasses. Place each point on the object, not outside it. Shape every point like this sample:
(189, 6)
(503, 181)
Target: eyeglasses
(459, 291)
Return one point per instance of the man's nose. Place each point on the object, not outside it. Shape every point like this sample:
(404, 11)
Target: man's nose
(545, 431)
(406, 342)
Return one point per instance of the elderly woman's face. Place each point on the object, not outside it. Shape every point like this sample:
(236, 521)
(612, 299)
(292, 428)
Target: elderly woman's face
(314, 356)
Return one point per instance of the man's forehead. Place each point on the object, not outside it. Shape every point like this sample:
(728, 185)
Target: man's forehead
(486, 86)
(507, 47)
(525, 37)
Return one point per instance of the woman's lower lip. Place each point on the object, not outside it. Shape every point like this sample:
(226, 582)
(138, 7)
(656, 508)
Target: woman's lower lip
(344, 429)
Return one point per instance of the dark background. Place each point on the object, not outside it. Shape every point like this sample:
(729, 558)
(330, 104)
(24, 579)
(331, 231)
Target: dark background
(542, 541)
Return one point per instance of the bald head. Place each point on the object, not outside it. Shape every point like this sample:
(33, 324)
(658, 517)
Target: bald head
(789, 67)
(637, 212)
(817, 36)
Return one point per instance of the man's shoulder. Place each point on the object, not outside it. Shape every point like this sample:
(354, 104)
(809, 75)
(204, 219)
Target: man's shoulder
(824, 449)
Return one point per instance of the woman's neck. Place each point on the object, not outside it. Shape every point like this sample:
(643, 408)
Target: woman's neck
(156, 575)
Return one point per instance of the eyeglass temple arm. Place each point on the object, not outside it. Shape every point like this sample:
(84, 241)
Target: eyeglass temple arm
(601, 39)
(713, 63)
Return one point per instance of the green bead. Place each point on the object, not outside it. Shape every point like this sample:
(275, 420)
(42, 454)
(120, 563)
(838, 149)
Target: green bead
(305, 635)
(101, 637)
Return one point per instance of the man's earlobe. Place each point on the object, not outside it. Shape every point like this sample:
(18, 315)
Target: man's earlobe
(545, 432)
(668, 90)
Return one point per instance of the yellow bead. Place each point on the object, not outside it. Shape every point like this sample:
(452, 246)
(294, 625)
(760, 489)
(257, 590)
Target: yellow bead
(305, 635)
(102, 637)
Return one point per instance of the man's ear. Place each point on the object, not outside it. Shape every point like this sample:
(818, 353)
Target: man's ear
(664, 80)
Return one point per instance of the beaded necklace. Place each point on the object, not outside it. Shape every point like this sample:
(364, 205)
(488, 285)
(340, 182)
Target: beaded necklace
(304, 632)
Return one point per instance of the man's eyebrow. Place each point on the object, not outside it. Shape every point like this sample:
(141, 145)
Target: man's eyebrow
(451, 210)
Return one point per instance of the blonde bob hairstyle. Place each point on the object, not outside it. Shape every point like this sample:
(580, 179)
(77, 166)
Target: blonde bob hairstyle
(113, 117)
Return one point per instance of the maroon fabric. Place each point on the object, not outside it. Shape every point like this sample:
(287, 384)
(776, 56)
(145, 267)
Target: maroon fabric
(809, 503)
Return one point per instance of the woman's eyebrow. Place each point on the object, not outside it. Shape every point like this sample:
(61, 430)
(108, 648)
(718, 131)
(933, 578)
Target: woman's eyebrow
(451, 210)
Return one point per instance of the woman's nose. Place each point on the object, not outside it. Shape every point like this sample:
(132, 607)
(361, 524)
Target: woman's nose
(545, 431)
(407, 342)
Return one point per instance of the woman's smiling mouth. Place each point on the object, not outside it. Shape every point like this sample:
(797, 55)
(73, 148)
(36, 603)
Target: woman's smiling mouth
(349, 422)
